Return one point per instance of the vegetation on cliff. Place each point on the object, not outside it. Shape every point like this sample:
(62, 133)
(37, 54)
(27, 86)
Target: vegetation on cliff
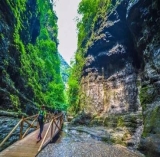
(64, 69)
(35, 43)
(91, 11)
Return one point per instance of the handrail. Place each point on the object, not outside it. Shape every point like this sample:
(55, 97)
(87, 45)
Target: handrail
(21, 121)
(30, 117)
(50, 116)
(56, 125)
(29, 127)
(28, 122)
(10, 133)
(49, 127)
(58, 116)
(45, 135)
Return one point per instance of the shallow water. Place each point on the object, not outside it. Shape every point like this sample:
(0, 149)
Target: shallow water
(72, 143)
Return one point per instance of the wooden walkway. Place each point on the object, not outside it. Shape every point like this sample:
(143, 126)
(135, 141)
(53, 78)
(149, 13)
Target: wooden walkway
(28, 146)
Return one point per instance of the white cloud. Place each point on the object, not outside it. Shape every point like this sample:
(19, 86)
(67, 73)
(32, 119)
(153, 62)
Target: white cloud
(66, 11)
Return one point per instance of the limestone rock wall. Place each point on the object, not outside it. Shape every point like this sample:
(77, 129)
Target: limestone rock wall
(110, 73)
(121, 74)
(144, 22)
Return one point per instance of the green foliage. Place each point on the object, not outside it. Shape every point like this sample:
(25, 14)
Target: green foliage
(152, 122)
(120, 122)
(146, 95)
(74, 82)
(15, 101)
(40, 64)
(91, 11)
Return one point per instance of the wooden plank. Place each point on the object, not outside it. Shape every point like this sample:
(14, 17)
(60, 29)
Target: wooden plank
(15, 154)
(28, 146)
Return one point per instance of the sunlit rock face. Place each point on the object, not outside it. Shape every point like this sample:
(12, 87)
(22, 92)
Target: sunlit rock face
(110, 73)
(110, 82)
(121, 74)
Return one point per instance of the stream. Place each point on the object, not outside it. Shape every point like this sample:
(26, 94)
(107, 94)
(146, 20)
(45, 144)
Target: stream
(73, 143)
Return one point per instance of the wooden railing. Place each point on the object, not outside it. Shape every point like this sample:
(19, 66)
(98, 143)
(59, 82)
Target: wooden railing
(33, 123)
(52, 129)
(10, 133)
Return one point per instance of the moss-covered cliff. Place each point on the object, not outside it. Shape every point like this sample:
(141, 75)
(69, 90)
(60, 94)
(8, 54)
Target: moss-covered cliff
(115, 77)
(29, 62)
(64, 68)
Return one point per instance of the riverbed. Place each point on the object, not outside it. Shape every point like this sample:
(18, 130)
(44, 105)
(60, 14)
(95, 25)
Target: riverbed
(73, 143)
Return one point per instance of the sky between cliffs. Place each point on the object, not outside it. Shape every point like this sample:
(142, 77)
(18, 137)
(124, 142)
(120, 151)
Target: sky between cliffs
(66, 11)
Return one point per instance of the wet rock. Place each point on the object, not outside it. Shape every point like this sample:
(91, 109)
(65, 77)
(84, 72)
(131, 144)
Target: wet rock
(84, 141)
(81, 119)
(151, 145)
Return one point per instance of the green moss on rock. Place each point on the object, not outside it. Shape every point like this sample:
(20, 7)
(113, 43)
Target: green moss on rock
(147, 94)
(31, 66)
(120, 122)
(15, 101)
(152, 122)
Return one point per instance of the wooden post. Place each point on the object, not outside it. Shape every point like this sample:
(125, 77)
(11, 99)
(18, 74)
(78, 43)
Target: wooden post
(54, 128)
(61, 121)
(29, 127)
(21, 128)
(57, 125)
(51, 131)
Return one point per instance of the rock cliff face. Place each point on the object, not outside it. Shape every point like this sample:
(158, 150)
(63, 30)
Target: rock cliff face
(11, 82)
(29, 63)
(121, 81)
(143, 19)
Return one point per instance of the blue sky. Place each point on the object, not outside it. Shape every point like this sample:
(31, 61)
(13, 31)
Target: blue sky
(66, 11)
